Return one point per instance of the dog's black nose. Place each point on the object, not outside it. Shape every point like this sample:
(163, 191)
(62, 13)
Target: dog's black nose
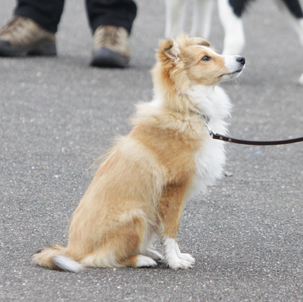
(241, 60)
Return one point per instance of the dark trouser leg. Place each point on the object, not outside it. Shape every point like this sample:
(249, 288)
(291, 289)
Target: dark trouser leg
(46, 13)
(119, 13)
(295, 8)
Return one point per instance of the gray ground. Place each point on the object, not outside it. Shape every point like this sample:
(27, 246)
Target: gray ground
(58, 116)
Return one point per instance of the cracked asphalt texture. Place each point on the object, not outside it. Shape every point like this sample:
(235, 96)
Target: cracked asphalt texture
(58, 115)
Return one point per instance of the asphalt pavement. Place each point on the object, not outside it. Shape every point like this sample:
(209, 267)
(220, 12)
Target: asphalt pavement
(58, 115)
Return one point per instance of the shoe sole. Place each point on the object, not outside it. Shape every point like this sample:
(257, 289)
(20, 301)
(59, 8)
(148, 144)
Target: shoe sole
(39, 49)
(105, 57)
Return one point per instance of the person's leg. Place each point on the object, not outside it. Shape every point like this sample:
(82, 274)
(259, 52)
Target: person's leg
(32, 29)
(118, 13)
(46, 13)
(111, 23)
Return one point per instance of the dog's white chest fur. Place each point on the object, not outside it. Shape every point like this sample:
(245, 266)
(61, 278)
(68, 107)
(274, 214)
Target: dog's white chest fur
(210, 159)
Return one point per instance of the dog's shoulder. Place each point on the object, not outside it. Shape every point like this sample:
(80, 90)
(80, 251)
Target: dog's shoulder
(152, 117)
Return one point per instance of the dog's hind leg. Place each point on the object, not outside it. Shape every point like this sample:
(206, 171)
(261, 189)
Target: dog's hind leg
(139, 261)
(175, 11)
(231, 20)
(293, 12)
(202, 18)
(124, 245)
(146, 257)
(153, 254)
(146, 246)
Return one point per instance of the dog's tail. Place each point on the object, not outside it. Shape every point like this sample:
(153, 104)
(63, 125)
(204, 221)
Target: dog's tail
(54, 257)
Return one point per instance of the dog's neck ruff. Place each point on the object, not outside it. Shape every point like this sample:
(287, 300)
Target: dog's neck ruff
(212, 105)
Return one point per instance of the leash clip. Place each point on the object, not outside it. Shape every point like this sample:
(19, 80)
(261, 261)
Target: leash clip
(211, 133)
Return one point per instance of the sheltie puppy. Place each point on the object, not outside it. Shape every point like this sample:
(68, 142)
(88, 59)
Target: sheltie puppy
(140, 190)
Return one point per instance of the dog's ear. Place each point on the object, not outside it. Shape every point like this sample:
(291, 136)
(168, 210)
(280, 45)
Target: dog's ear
(168, 50)
(200, 41)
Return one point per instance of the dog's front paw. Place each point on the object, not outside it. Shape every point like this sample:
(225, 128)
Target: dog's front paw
(174, 258)
(178, 263)
(184, 256)
(187, 257)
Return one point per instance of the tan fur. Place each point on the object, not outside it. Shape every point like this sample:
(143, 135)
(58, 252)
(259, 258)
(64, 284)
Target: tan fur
(44, 258)
(141, 187)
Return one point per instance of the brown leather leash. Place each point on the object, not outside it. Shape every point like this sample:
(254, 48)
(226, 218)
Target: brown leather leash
(228, 139)
(254, 143)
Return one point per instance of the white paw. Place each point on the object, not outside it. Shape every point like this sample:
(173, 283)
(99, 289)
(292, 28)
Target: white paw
(154, 255)
(301, 79)
(174, 258)
(184, 256)
(178, 263)
(144, 261)
(187, 257)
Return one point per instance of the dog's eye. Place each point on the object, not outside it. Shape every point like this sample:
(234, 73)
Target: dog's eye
(206, 58)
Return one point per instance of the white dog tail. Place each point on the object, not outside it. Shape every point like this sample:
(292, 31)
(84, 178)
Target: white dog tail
(55, 258)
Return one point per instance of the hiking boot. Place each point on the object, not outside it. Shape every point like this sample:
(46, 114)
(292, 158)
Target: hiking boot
(22, 36)
(111, 47)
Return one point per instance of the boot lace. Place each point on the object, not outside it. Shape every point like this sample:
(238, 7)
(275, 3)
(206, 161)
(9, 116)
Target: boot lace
(108, 36)
(11, 24)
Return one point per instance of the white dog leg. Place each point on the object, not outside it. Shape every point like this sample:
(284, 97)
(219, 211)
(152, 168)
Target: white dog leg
(173, 258)
(296, 21)
(202, 18)
(300, 80)
(184, 256)
(175, 17)
(299, 30)
(234, 39)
